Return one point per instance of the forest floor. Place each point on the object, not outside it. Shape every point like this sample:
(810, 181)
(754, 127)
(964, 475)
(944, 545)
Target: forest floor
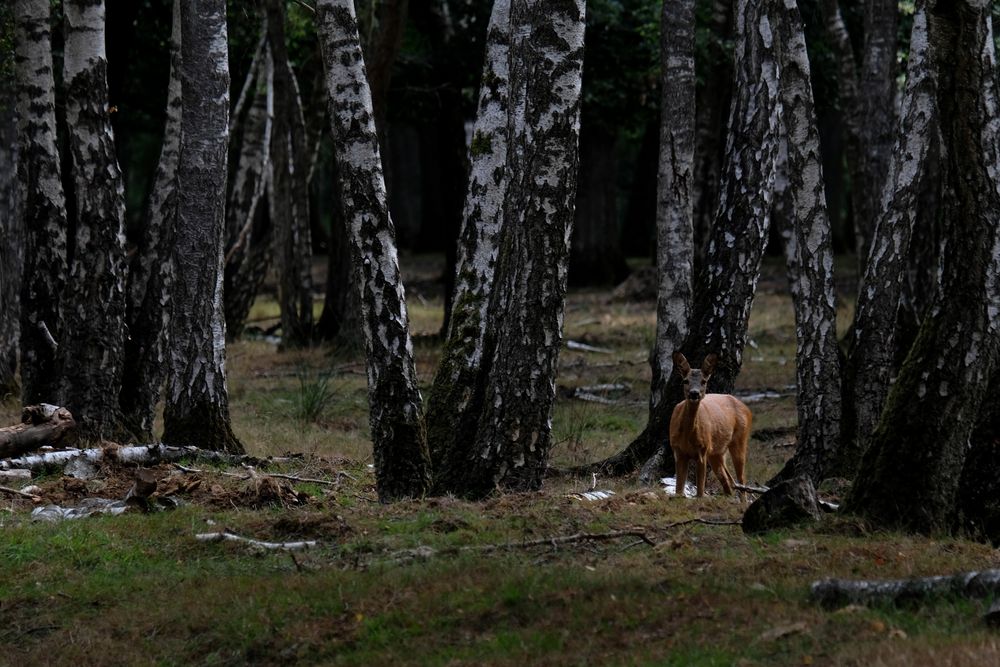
(444, 581)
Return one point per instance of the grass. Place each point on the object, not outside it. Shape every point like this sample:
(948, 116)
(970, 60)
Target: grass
(138, 589)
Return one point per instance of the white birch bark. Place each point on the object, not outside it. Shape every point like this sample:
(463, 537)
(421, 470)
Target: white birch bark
(402, 464)
(92, 341)
(810, 262)
(42, 200)
(197, 402)
(455, 398)
(546, 64)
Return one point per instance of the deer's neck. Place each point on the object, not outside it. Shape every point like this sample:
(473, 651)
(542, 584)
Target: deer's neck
(689, 423)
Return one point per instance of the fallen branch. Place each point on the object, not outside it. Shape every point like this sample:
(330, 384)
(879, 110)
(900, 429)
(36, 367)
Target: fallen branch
(41, 425)
(135, 454)
(825, 505)
(707, 522)
(839, 592)
(16, 492)
(294, 478)
(226, 536)
(583, 347)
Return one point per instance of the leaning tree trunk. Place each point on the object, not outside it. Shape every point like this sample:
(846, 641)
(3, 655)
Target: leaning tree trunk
(870, 361)
(93, 310)
(148, 304)
(724, 289)
(11, 225)
(513, 440)
(197, 401)
(675, 250)
(909, 477)
(402, 464)
(248, 221)
(289, 192)
(455, 400)
(43, 204)
(809, 255)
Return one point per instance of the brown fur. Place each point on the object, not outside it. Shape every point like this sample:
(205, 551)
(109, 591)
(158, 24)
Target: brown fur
(703, 430)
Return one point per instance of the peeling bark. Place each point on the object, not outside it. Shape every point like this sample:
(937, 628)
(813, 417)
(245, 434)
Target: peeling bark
(724, 289)
(93, 308)
(513, 438)
(909, 477)
(197, 402)
(42, 200)
(402, 463)
(870, 361)
(455, 400)
(809, 255)
(151, 272)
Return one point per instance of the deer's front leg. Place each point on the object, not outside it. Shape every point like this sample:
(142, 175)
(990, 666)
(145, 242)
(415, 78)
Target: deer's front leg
(681, 468)
(702, 473)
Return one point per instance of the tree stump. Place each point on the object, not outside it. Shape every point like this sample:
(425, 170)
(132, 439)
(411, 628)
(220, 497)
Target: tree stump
(785, 504)
(40, 425)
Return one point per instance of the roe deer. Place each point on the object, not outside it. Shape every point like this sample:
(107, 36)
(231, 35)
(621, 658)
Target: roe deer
(704, 427)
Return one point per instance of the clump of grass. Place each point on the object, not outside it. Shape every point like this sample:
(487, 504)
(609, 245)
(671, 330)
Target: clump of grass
(316, 394)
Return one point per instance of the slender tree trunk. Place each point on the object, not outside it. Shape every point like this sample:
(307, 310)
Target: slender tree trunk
(197, 401)
(248, 221)
(675, 251)
(42, 201)
(455, 400)
(340, 322)
(11, 224)
(724, 289)
(877, 95)
(402, 464)
(809, 255)
(513, 439)
(289, 192)
(909, 477)
(148, 312)
(383, 51)
(92, 344)
(869, 365)
(596, 257)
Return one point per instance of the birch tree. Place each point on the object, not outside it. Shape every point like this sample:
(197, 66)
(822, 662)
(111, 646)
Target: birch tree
(197, 402)
(869, 365)
(455, 399)
(724, 288)
(42, 200)
(151, 272)
(402, 463)
(11, 225)
(810, 261)
(909, 476)
(513, 439)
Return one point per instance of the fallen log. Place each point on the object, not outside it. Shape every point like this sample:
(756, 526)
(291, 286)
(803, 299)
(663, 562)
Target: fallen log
(226, 536)
(136, 454)
(841, 592)
(41, 425)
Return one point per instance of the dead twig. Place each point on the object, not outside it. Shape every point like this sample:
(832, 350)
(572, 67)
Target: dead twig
(294, 478)
(707, 522)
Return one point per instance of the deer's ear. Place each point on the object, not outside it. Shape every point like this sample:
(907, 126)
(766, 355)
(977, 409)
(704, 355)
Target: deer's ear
(681, 365)
(708, 367)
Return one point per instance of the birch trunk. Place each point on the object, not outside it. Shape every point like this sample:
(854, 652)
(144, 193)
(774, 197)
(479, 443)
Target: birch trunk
(43, 203)
(151, 274)
(248, 221)
(402, 464)
(675, 250)
(724, 289)
(197, 402)
(92, 343)
(909, 477)
(340, 322)
(289, 192)
(455, 400)
(810, 262)
(513, 438)
(11, 228)
(870, 360)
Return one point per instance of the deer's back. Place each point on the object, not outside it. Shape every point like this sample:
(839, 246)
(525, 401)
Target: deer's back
(720, 419)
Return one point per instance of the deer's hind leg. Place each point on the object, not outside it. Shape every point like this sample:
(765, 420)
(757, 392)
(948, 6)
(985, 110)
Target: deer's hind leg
(738, 452)
(718, 463)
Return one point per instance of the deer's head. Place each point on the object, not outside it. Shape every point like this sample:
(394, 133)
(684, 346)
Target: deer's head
(695, 380)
